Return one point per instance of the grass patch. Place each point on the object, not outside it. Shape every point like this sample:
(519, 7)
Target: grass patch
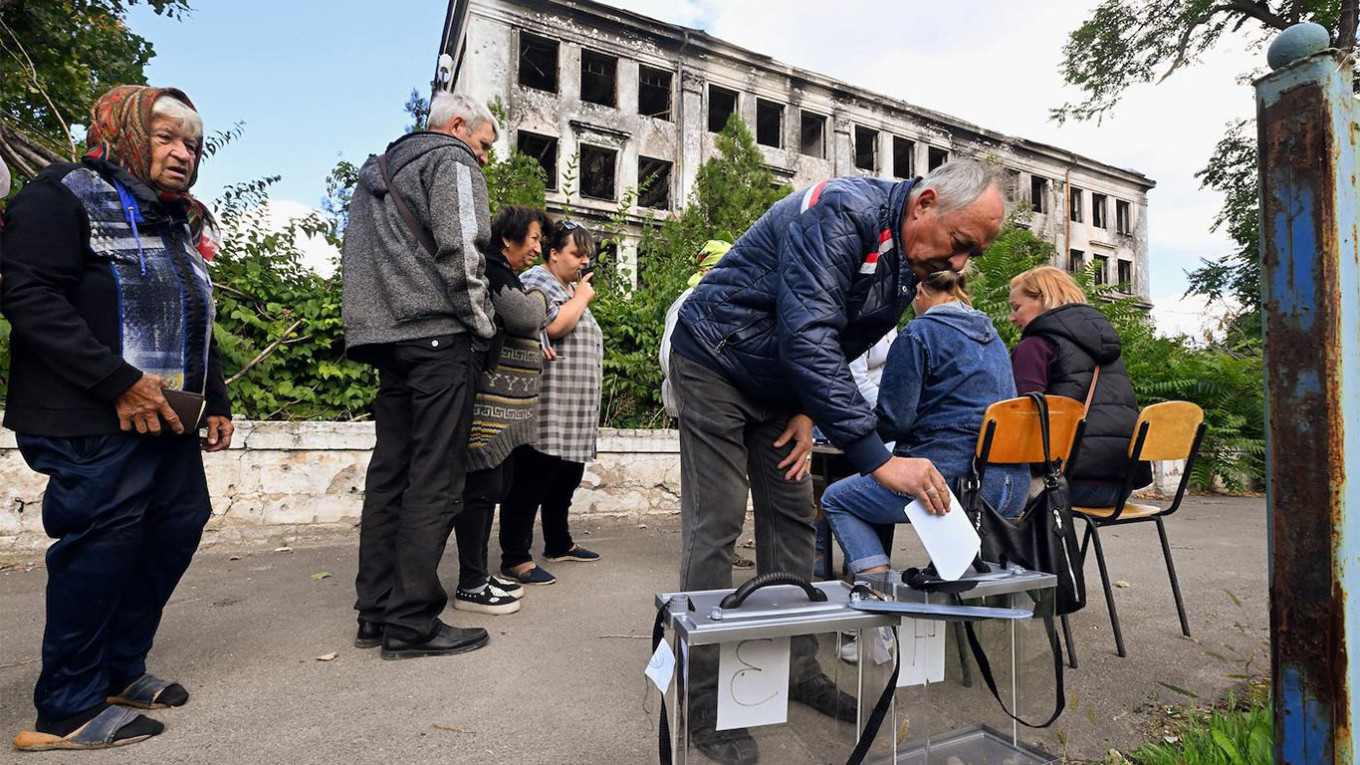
(1234, 733)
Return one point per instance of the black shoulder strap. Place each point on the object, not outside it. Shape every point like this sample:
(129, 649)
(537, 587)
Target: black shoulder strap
(985, 668)
(421, 234)
(875, 721)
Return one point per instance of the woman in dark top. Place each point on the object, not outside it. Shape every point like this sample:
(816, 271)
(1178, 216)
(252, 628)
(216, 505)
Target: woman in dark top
(1064, 341)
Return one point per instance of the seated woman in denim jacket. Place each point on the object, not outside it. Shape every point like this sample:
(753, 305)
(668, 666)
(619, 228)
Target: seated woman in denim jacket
(945, 369)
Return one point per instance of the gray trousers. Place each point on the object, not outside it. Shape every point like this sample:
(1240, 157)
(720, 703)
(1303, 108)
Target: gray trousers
(727, 449)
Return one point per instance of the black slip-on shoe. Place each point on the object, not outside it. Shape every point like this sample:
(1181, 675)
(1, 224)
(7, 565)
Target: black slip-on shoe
(576, 552)
(445, 642)
(370, 635)
(822, 695)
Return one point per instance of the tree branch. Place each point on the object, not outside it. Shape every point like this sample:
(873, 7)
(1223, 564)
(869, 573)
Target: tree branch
(265, 353)
(13, 159)
(1258, 11)
(26, 64)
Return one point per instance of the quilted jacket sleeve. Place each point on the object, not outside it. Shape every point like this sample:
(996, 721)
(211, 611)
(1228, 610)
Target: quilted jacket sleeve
(818, 258)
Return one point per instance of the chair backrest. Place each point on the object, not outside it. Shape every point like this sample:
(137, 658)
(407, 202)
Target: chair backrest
(1168, 431)
(1015, 434)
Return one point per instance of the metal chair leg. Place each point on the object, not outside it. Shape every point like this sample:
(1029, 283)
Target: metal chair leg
(1085, 539)
(1067, 637)
(1171, 571)
(1109, 592)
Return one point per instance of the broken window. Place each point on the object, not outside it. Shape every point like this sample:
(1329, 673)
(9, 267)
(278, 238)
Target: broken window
(654, 183)
(1126, 275)
(537, 62)
(1038, 193)
(769, 123)
(1123, 217)
(597, 172)
(1012, 189)
(597, 78)
(721, 103)
(1102, 264)
(1076, 261)
(1074, 204)
(904, 157)
(936, 157)
(812, 135)
(1098, 211)
(866, 148)
(654, 93)
(544, 149)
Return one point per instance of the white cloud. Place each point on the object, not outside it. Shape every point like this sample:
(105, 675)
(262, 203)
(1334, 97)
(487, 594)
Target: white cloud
(1194, 316)
(995, 62)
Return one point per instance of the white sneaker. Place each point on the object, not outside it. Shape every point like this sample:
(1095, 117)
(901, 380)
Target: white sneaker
(850, 651)
(491, 600)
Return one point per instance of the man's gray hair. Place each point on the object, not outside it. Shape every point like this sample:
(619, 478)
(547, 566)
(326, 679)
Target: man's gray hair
(959, 183)
(446, 106)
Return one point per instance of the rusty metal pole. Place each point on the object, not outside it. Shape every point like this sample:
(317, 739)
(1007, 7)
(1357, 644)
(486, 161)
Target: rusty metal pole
(1306, 118)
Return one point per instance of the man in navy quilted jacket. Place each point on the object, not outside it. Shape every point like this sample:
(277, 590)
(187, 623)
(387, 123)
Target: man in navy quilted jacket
(762, 350)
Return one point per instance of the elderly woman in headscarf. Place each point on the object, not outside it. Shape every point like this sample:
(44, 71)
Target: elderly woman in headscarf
(113, 368)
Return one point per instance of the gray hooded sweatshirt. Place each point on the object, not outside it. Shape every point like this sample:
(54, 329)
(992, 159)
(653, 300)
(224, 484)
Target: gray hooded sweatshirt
(393, 289)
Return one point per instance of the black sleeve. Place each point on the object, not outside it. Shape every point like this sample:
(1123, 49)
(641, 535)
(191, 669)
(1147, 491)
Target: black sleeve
(45, 241)
(216, 400)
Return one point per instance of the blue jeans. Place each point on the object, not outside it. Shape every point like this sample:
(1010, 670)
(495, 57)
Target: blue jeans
(855, 505)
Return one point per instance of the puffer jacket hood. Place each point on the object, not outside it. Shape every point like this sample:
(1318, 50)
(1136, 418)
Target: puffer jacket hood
(1083, 326)
(972, 324)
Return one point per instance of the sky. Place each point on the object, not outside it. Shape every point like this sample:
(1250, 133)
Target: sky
(315, 81)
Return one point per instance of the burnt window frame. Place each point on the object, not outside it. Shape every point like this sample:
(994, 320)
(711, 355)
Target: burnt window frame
(766, 105)
(614, 179)
(862, 132)
(804, 118)
(709, 106)
(613, 61)
(1120, 266)
(1123, 217)
(1099, 211)
(1039, 200)
(531, 38)
(910, 151)
(1075, 208)
(551, 182)
(667, 186)
(644, 86)
(1102, 269)
(931, 153)
(1076, 261)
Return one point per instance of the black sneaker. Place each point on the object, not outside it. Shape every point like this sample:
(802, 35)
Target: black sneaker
(370, 635)
(727, 747)
(822, 695)
(576, 552)
(446, 641)
(491, 600)
(535, 575)
(509, 587)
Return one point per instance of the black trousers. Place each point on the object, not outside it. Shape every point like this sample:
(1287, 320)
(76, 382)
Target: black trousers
(472, 528)
(414, 490)
(544, 481)
(127, 512)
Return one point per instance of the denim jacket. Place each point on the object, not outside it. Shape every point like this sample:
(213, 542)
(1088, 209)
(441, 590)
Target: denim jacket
(947, 366)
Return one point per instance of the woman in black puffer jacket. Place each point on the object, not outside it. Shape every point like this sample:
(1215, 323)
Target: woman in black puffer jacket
(1065, 340)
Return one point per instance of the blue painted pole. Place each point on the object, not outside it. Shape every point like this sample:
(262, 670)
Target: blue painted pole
(1306, 118)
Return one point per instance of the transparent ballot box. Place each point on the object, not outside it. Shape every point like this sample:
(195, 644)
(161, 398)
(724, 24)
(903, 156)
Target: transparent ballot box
(944, 712)
(765, 661)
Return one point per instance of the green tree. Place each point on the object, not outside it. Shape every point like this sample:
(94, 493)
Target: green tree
(1130, 42)
(60, 55)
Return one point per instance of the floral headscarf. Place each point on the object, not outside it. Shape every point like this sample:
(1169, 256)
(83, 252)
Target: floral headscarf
(120, 132)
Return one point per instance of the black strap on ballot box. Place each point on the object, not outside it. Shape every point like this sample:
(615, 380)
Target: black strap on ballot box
(871, 727)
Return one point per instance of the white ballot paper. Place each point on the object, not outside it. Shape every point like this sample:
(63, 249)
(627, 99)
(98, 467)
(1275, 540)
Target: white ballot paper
(950, 539)
(753, 683)
(922, 642)
(661, 668)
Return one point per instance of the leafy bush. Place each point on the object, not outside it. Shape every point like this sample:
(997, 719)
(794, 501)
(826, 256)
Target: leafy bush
(1232, 736)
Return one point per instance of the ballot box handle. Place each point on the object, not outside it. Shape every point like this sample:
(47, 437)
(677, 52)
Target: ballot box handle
(774, 578)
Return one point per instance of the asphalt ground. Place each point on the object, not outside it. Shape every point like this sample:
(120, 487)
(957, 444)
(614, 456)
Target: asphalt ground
(561, 681)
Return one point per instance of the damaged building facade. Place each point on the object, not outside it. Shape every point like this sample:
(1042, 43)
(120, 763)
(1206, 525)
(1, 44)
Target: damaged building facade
(609, 101)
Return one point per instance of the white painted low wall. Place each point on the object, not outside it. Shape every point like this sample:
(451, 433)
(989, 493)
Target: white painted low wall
(279, 477)
(283, 479)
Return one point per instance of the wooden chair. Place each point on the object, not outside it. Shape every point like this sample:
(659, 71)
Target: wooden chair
(1168, 431)
(1010, 435)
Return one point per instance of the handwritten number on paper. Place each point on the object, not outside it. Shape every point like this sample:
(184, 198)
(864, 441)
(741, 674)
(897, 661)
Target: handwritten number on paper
(747, 668)
(753, 683)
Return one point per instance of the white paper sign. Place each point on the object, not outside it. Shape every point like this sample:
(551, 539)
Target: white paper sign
(950, 539)
(922, 646)
(661, 668)
(753, 683)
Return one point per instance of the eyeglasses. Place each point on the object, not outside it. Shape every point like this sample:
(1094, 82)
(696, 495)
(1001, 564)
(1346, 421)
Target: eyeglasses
(570, 225)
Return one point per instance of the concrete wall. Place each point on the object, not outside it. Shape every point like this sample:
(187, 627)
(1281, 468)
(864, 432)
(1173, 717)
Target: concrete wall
(280, 479)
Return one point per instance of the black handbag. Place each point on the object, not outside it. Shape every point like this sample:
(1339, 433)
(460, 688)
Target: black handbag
(1043, 538)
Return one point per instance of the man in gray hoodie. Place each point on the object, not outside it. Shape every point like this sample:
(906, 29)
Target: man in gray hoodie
(416, 306)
